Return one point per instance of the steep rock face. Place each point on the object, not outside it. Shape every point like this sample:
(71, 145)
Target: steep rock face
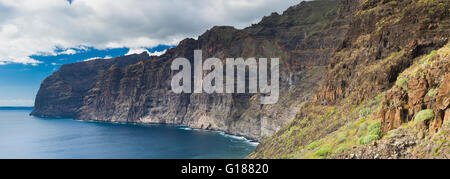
(424, 86)
(414, 113)
(62, 93)
(303, 37)
(385, 36)
(350, 110)
(139, 90)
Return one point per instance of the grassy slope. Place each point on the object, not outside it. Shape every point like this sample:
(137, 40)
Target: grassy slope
(327, 131)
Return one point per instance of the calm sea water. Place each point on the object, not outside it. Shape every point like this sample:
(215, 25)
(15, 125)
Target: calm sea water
(24, 136)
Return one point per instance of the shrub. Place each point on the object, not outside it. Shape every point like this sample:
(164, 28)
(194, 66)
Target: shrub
(402, 83)
(341, 149)
(323, 152)
(424, 115)
(350, 126)
(429, 56)
(432, 93)
(314, 145)
(368, 139)
(362, 129)
(363, 126)
(364, 112)
(375, 129)
(393, 133)
(341, 138)
(379, 96)
(373, 133)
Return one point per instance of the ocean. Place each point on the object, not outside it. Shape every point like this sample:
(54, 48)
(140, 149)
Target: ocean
(24, 136)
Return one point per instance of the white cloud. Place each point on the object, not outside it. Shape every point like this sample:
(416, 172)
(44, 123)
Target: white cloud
(157, 53)
(30, 27)
(68, 52)
(93, 58)
(96, 58)
(16, 102)
(22, 60)
(143, 49)
(137, 51)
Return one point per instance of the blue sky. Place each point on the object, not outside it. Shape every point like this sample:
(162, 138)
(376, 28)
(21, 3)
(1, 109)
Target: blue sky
(37, 37)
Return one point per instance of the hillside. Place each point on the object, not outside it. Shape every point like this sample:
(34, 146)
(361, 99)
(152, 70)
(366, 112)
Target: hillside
(385, 93)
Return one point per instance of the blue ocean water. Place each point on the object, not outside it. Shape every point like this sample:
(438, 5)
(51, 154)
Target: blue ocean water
(24, 136)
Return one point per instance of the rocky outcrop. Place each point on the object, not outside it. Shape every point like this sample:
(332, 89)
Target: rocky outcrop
(414, 113)
(424, 86)
(62, 93)
(303, 37)
(406, 142)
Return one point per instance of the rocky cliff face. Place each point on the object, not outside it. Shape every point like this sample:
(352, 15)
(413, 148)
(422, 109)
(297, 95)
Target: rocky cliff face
(303, 37)
(414, 113)
(62, 93)
(385, 93)
(387, 36)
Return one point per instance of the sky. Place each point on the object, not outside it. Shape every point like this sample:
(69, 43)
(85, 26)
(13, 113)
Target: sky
(37, 37)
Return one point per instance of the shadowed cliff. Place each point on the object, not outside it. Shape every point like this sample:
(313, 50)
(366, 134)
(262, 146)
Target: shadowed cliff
(62, 93)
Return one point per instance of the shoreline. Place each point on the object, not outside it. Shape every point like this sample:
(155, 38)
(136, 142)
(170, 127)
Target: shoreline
(180, 127)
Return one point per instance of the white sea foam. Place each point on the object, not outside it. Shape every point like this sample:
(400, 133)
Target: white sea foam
(238, 138)
(253, 143)
(186, 128)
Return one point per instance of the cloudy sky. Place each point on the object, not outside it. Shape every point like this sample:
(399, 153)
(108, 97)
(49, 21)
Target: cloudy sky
(38, 36)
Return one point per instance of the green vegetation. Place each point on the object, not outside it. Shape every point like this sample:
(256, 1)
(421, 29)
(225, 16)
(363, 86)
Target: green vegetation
(362, 129)
(402, 83)
(323, 152)
(432, 93)
(314, 145)
(341, 138)
(419, 66)
(365, 112)
(368, 139)
(341, 148)
(375, 129)
(424, 115)
(429, 56)
(379, 96)
(373, 133)
(393, 55)
(392, 133)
